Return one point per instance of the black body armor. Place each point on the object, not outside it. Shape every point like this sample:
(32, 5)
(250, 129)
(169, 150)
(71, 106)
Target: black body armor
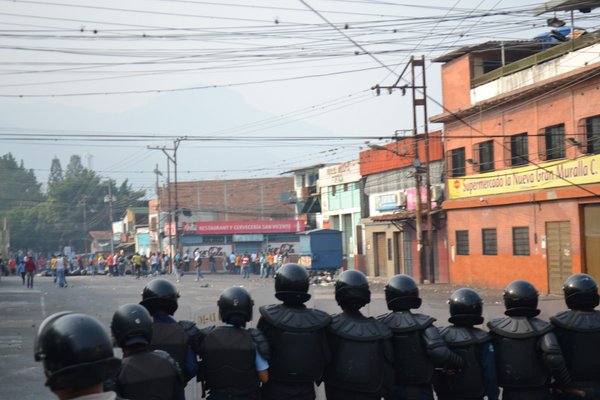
(578, 333)
(149, 375)
(228, 361)
(519, 362)
(469, 343)
(361, 353)
(297, 338)
(171, 338)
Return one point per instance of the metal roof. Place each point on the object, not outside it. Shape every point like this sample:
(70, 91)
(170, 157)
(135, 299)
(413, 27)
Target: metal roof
(519, 45)
(566, 5)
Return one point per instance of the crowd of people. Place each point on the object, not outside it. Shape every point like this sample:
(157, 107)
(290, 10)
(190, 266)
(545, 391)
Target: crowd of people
(401, 355)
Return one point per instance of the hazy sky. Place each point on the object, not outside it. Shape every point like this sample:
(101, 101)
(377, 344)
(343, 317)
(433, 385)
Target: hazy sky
(239, 79)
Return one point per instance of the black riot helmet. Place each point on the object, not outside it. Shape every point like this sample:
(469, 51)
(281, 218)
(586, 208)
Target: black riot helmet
(466, 307)
(520, 299)
(76, 351)
(291, 284)
(131, 324)
(352, 290)
(160, 295)
(402, 293)
(581, 292)
(235, 306)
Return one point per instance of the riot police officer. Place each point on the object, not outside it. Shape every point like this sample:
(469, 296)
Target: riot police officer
(297, 337)
(418, 346)
(144, 374)
(477, 377)
(77, 355)
(361, 366)
(234, 359)
(578, 333)
(180, 340)
(527, 352)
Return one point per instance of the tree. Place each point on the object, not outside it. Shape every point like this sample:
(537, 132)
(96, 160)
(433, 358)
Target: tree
(56, 172)
(75, 167)
(18, 186)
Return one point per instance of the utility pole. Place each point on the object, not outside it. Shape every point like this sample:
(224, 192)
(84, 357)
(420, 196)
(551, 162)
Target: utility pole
(172, 226)
(85, 232)
(417, 165)
(110, 211)
(158, 238)
(426, 267)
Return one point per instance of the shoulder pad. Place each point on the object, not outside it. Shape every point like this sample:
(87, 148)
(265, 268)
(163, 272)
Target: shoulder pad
(462, 335)
(190, 327)
(581, 321)
(262, 345)
(207, 330)
(405, 321)
(294, 319)
(166, 356)
(519, 327)
(359, 329)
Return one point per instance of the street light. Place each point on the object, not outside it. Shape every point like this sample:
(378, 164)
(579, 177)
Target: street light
(109, 199)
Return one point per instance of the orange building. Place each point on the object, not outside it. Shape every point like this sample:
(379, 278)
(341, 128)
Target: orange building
(522, 151)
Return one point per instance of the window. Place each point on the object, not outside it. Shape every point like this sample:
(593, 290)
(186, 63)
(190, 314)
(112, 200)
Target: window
(389, 249)
(345, 187)
(592, 130)
(520, 241)
(457, 159)
(333, 190)
(519, 150)
(490, 243)
(555, 142)
(462, 243)
(486, 156)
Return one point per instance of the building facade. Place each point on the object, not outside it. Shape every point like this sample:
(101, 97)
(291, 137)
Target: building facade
(389, 209)
(340, 190)
(522, 149)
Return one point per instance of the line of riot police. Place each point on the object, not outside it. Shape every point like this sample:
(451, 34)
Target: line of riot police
(401, 355)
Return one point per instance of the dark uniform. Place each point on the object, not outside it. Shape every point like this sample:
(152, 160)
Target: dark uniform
(477, 377)
(160, 299)
(578, 333)
(232, 356)
(77, 355)
(418, 346)
(145, 374)
(296, 336)
(527, 352)
(361, 366)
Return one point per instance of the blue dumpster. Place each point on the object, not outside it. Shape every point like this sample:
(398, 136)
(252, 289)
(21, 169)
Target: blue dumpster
(321, 250)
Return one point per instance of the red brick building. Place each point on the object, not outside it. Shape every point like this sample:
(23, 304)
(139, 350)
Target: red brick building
(522, 151)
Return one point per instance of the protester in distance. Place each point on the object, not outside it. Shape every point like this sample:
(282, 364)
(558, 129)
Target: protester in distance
(418, 346)
(296, 336)
(29, 271)
(356, 340)
(145, 374)
(77, 356)
(477, 377)
(578, 333)
(234, 359)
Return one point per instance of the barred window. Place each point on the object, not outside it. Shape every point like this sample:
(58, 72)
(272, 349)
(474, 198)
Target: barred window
(555, 142)
(486, 156)
(457, 162)
(462, 243)
(490, 242)
(592, 131)
(519, 150)
(520, 241)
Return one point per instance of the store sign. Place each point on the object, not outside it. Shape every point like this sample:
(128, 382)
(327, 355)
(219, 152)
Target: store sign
(241, 227)
(554, 174)
(209, 250)
(386, 202)
(283, 247)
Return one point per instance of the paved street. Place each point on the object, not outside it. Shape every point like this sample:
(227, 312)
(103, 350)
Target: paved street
(22, 310)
